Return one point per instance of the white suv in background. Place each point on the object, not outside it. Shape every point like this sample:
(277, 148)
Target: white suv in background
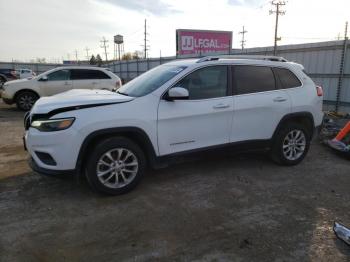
(176, 108)
(25, 73)
(25, 92)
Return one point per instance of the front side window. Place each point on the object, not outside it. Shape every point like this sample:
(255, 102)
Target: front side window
(287, 78)
(85, 74)
(150, 81)
(252, 79)
(204, 83)
(60, 75)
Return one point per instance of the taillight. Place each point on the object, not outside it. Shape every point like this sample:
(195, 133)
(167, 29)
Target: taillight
(319, 90)
(13, 73)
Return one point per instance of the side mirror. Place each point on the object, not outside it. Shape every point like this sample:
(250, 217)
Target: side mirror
(43, 78)
(177, 93)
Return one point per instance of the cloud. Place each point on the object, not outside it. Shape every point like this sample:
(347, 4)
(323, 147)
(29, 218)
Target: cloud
(246, 2)
(155, 7)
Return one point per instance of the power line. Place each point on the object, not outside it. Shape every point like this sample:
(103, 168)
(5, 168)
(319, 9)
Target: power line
(243, 32)
(87, 53)
(104, 46)
(278, 12)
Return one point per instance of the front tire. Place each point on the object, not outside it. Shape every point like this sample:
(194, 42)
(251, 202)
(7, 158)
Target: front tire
(25, 100)
(291, 144)
(115, 166)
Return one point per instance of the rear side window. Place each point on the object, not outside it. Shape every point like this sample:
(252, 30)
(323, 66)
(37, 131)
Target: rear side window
(252, 79)
(287, 78)
(85, 74)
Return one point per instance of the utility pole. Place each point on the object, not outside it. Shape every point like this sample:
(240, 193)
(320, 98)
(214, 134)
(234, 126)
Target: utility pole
(87, 53)
(278, 11)
(76, 54)
(145, 41)
(104, 46)
(243, 32)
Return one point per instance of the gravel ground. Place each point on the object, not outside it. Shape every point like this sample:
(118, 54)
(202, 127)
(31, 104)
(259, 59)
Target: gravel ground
(215, 208)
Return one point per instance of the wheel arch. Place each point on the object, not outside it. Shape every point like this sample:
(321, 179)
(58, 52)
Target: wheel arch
(305, 118)
(135, 134)
(24, 90)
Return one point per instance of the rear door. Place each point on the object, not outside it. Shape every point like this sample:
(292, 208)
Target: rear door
(84, 79)
(57, 82)
(258, 104)
(106, 82)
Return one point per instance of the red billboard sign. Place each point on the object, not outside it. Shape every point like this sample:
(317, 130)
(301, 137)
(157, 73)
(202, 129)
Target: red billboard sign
(202, 42)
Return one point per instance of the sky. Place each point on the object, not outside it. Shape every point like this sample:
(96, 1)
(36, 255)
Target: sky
(57, 29)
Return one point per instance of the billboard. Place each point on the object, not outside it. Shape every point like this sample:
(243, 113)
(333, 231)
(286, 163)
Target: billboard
(202, 42)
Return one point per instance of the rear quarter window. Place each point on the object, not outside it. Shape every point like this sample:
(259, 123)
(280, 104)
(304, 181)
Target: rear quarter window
(287, 78)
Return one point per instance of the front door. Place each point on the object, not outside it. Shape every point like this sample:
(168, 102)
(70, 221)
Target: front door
(57, 82)
(204, 119)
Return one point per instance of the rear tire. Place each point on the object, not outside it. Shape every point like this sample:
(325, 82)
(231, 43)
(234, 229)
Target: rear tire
(291, 144)
(25, 100)
(115, 166)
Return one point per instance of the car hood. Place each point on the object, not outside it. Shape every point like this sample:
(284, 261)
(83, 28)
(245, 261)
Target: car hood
(77, 98)
(18, 81)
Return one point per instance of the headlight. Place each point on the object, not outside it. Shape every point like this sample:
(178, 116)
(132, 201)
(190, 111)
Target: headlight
(52, 124)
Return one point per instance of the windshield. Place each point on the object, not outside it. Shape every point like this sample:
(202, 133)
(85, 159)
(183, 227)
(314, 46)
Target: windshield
(150, 81)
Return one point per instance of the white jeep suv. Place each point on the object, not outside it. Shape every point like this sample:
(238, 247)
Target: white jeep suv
(25, 92)
(176, 108)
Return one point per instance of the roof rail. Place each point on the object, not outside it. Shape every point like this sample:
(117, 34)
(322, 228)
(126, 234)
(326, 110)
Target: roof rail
(253, 57)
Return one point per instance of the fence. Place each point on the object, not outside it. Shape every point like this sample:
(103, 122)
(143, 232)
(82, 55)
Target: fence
(322, 61)
(36, 67)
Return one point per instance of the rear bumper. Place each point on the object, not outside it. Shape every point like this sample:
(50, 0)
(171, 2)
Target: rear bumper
(50, 172)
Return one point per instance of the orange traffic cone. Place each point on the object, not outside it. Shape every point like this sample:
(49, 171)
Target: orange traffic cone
(336, 142)
(342, 133)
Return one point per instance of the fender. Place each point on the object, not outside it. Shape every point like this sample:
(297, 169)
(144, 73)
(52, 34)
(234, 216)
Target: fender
(134, 133)
(295, 116)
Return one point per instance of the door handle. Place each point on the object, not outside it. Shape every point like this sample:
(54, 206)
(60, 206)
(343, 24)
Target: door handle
(279, 99)
(94, 83)
(221, 106)
(66, 84)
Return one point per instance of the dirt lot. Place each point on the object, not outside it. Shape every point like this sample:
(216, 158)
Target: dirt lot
(216, 208)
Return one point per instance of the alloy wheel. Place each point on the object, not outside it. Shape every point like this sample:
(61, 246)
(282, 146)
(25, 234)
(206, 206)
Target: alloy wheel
(117, 168)
(26, 102)
(294, 145)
